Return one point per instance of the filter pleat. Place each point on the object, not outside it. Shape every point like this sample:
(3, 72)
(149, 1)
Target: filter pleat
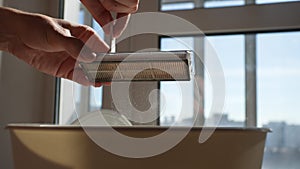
(152, 68)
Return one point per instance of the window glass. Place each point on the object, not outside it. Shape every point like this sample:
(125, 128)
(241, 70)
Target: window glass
(273, 1)
(95, 100)
(230, 50)
(171, 92)
(167, 5)
(177, 6)
(222, 3)
(278, 81)
(98, 28)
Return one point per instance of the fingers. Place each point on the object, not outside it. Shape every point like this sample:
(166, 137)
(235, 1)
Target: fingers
(78, 76)
(55, 64)
(123, 9)
(70, 70)
(119, 26)
(87, 35)
(98, 11)
(75, 48)
(117, 6)
(133, 4)
(82, 43)
(82, 32)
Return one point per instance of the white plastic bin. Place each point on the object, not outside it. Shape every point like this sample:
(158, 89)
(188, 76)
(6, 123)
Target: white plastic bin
(68, 147)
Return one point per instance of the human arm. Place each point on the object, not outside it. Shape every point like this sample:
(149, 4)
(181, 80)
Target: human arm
(51, 45)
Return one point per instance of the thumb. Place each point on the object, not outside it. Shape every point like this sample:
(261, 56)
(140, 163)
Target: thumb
(87, 35)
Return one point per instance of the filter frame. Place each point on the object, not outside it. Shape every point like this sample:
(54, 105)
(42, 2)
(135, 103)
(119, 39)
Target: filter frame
(181, 58)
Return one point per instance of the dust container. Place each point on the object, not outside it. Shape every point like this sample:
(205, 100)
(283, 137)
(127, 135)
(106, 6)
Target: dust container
(69, 147)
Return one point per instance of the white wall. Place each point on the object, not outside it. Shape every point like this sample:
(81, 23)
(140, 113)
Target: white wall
(26, 95)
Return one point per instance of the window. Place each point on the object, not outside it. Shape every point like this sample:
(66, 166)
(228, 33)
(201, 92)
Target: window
(273, 1)
(231, 52)
(260, 58)
(168, 5)
(273, 95)
(278, 61)
(278, 81)
(171, 93)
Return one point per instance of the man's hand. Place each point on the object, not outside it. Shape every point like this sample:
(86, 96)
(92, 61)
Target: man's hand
(48, 44)
(100, 10)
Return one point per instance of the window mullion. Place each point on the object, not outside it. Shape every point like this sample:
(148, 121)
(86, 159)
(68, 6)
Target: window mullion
(199, 75)
(250, 73)
(241, 19)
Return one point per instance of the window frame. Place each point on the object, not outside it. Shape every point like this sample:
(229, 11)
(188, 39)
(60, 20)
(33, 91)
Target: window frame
(208, 20)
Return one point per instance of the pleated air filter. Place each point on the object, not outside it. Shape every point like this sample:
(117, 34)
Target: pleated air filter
(143, 66)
